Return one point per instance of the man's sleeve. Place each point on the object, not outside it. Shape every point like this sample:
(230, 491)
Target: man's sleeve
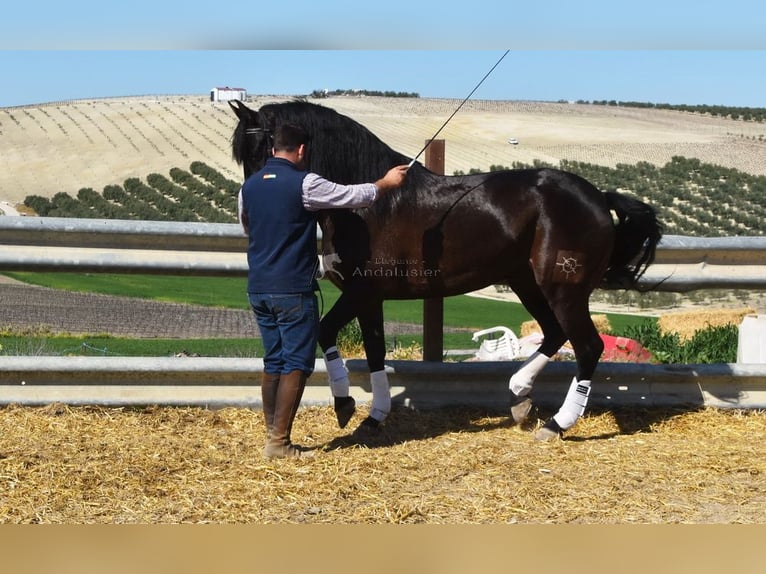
(320, 193)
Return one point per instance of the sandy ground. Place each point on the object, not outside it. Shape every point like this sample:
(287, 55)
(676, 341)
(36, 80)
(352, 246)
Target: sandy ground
(757, 300)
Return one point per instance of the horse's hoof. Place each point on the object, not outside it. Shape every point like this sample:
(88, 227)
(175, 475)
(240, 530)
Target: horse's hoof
(345, 407)
(367, 428)
(370, 424)
(549, 431)
(520, 407)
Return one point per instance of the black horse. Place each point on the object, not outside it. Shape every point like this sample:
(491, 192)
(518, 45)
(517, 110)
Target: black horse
(548, 234)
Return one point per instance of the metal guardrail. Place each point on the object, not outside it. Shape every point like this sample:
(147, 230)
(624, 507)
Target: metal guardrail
(121, 246)
(686, 264)
(97, 245)
(218, 382)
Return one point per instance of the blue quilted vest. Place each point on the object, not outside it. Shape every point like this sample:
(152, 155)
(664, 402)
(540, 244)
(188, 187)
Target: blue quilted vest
(282, 249)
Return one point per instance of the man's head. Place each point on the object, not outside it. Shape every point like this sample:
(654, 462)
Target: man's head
(291, 143)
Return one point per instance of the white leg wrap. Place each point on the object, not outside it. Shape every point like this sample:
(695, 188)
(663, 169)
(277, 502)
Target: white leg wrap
(522, 380)
(336, 372)
(381, 396)
(574, 404)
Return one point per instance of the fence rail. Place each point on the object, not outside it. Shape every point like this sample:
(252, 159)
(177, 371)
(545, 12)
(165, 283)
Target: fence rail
(120, 246)
(218, 382)
(96, 245)
(690, 263)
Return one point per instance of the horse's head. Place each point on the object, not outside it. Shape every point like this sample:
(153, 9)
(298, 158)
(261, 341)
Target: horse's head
(251, 143)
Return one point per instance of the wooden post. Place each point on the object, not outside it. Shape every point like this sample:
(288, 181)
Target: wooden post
(433, 309)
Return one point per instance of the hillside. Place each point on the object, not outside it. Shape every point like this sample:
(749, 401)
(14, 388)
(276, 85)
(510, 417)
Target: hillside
(66, 146)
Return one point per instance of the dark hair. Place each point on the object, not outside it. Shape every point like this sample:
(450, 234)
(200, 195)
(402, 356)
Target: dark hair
(287, 137)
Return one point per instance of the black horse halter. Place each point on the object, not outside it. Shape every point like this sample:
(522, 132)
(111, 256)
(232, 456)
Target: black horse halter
(261, 132)
(255, 131)
(264, 141)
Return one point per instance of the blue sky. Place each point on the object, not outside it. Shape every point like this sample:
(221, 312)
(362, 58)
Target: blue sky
(679, 77)
(700, 52)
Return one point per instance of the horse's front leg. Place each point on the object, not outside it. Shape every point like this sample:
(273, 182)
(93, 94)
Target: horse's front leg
(373, 336)
(342, 313)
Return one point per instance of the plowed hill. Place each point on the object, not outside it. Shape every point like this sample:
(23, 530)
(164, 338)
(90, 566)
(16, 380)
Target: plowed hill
(65, 146)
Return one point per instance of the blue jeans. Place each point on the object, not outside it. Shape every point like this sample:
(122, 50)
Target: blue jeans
(289, 326)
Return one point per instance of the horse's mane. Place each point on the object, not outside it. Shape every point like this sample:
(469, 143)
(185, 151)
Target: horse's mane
(341, 149)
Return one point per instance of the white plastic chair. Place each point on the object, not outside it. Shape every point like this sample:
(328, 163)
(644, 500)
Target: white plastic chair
(503, 348)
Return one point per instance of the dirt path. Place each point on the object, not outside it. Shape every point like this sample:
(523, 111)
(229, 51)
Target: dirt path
(756, 300)
(31, 307)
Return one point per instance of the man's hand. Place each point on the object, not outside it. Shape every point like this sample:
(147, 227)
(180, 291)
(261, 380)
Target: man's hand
(393, 179)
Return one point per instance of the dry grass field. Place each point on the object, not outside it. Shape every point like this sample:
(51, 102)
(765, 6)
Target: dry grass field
(66, 146)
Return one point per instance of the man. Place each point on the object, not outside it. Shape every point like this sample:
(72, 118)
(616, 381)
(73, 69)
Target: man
(277, 209)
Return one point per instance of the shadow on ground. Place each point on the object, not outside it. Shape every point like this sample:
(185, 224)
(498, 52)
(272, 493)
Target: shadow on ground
(406, 425)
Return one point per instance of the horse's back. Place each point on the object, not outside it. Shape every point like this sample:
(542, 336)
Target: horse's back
(550, 196)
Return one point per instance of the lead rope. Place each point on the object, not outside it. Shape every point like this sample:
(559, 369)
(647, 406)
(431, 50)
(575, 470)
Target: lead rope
(457, 109)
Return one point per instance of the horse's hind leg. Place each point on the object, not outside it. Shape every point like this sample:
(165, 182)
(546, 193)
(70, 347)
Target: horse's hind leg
(572, 311)
(342, 313)
(534, 301)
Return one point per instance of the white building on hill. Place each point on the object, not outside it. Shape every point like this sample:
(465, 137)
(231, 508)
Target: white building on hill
(227, 94)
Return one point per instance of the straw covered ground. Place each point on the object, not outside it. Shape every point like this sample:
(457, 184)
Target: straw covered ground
(81, 465)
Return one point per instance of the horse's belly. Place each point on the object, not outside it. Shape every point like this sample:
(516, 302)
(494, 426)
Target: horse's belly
(414, 278)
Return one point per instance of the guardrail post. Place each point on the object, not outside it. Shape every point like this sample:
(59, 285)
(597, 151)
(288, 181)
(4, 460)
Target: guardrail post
(433, 309)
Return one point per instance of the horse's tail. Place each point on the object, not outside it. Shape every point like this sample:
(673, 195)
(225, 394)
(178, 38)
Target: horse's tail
(638, 231)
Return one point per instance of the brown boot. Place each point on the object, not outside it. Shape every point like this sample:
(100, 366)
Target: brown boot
(289, 394)
(269, 386)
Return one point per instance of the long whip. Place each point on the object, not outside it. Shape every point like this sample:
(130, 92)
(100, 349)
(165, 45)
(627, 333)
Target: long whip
(457, 109)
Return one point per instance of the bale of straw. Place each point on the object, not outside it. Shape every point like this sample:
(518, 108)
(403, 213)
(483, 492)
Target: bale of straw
(600, 321)
(687, 323)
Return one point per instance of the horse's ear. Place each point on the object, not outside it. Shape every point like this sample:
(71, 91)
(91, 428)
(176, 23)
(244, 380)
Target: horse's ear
(234, 105)
(240, 109)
